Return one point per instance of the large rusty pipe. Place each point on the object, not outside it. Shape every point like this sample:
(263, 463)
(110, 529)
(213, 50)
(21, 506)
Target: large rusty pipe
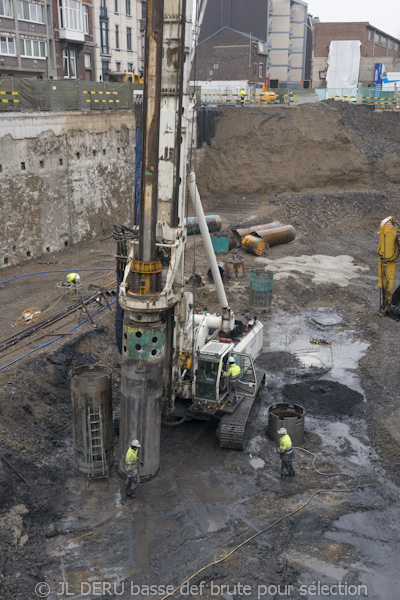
(151, 126)
(250, 230)
(279, 235)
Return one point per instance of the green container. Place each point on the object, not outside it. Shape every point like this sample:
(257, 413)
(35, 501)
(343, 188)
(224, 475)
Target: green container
(260, 290)
(220, 243)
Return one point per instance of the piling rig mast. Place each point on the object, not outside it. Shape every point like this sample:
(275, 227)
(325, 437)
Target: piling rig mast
(160, 331)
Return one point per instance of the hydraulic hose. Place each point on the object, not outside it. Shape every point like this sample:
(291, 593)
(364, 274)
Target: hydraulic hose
(293, 512)
(57, 338)
(60, 271)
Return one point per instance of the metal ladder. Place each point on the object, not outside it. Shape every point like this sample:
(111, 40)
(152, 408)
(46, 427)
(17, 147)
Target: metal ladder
(97, 456)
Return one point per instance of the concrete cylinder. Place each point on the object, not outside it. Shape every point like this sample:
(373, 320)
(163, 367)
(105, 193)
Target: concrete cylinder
(291, 417)
(91, 389)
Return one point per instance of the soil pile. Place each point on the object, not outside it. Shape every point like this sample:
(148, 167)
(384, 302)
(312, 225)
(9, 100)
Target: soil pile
(327, 147)
(325, 398)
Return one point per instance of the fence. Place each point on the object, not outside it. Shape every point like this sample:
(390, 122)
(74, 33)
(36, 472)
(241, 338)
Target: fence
(18, 94)
(233, 98)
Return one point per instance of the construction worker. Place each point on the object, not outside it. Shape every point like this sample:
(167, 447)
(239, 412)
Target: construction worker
(73, 279)
(286, 453)
(233, 373)
(131, 465)
(242, 95)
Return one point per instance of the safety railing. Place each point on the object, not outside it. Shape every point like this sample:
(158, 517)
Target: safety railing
(278, 97)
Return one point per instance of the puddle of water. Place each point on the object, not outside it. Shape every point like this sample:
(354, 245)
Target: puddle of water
(339, 360)
(257, 463)
(322, 568)
(332, 431)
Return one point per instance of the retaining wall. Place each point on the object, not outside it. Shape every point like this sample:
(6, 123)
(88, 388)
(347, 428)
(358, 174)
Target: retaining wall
(64, 177)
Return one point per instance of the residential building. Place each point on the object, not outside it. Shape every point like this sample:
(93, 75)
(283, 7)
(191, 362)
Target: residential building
(376, 47)
(74, 40)
(287, 43)
(119, 34)
(230, 59)
(26, 39)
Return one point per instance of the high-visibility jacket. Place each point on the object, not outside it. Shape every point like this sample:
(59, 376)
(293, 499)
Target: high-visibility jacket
(285, 445)
(71, 277)
(131, 458)
(233, 372)
(242, 94)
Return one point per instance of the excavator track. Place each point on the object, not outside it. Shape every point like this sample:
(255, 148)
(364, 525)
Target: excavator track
(232, 428)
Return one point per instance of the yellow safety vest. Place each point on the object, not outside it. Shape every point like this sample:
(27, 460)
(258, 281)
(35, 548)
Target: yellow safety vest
(285, 443)
(233, 371)
(131, 457)
(71, 277)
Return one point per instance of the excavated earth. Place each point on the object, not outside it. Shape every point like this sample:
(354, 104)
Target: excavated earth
(332, 171)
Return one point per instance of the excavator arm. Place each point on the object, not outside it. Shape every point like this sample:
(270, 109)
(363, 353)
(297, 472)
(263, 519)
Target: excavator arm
(388, 253)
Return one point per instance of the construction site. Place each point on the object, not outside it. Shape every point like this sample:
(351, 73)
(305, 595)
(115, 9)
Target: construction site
(207, 520)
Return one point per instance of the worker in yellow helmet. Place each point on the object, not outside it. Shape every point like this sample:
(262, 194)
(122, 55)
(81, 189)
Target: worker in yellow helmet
(73, 279)
(286, 453)
(233, 373)
(131, 465)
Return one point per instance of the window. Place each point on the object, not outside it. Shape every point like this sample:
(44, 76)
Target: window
(70, 14)
(6, 8)
(143, 10)
(32, 48)
(69, 63)
(260, 70)
(130, 67)
(383, 41)
(376, 38)
(390, 44)
(104, 37)
(7, 44)
(369, 35)
(129, 38)
(85, 15)
(128, 7)
(117, 37)
(28, 11)
(396, 46)
(116, 6)
(118, 66)
(105, 66)
(88, 61)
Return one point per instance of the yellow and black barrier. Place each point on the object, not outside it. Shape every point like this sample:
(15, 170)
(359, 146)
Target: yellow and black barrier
(100, 97)
(368, 100)
(9, 97)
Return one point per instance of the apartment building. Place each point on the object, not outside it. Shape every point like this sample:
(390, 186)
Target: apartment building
(376, 47)
(119, 27)
(74, 39)
(26, 39)
(287, 42)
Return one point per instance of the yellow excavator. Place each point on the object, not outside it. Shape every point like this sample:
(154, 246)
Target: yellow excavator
(388, 253)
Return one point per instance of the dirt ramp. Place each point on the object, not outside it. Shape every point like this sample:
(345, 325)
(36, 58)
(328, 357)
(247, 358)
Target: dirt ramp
(271, 150)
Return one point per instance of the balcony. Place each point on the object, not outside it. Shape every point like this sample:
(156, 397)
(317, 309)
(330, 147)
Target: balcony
(72, 35)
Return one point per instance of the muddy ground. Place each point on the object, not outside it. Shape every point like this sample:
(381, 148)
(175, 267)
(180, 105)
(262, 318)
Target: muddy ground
(330, 171)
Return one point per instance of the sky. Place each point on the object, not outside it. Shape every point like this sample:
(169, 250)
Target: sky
(383, 14)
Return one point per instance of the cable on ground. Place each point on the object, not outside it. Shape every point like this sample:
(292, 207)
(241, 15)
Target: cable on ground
(293, 512)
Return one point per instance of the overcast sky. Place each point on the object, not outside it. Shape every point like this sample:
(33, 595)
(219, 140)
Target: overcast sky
(383, 14)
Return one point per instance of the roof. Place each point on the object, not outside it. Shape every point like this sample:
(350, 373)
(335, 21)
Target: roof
(248, 36)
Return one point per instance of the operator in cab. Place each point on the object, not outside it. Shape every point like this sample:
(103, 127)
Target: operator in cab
(233, 373)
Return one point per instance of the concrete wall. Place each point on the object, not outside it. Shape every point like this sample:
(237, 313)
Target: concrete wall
(367, 67)
(64, 177)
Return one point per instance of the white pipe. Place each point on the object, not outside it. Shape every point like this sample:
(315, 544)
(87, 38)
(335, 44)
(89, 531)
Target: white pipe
(205, 234)
(213, 321)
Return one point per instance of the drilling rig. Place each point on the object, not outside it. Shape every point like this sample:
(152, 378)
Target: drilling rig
(173, 359)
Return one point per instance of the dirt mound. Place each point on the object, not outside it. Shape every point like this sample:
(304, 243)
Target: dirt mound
(325, 398)
(267, 151)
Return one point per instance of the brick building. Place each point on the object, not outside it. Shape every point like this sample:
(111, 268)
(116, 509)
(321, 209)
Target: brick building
(74, 39)
(26, 39)
(231, 56)
(376, 46)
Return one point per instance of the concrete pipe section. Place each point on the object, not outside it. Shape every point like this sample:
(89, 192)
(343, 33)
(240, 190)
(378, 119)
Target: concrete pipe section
(289, 416)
